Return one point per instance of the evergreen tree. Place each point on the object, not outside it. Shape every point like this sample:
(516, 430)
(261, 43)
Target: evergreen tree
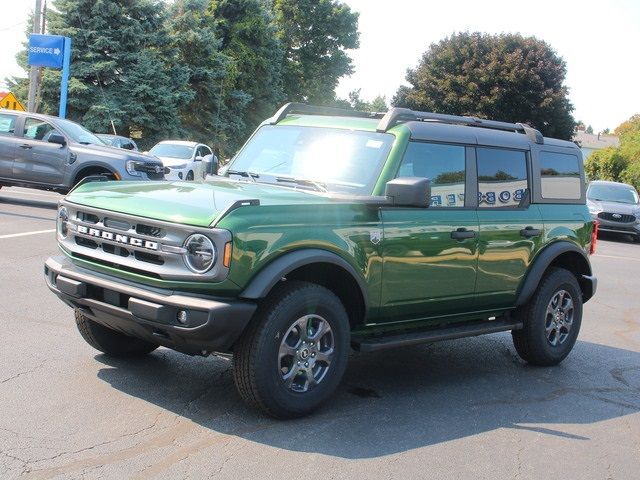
(502, 77)
(315, 35)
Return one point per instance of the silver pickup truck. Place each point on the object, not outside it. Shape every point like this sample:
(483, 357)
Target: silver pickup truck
(50, 153)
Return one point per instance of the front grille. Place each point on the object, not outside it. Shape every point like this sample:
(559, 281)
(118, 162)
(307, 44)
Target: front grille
(140, 245)
(617, 217)
(154, 171)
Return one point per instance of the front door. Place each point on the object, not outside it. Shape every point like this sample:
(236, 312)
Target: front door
(510, 228)
(38, 160)
(430, 254)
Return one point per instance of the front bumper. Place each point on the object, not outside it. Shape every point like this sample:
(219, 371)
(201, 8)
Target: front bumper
(213, 325)
(175, 174)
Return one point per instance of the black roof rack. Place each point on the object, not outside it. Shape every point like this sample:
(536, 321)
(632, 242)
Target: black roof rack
(396, 115)
(303, 108)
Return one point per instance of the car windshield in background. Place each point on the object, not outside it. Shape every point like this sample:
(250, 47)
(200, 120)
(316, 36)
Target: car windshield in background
(78, 133)
(335, 160)
(172, 151)
(612, 193)
(107, 140)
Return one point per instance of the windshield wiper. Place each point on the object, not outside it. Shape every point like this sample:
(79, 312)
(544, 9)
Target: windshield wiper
(304, 182)
(250, 175)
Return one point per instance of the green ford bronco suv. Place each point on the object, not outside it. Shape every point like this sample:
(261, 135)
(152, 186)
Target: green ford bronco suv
(331, 230)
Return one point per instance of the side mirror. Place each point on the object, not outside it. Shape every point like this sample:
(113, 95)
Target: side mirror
(57, 138)
(409, 191)
(198, 158)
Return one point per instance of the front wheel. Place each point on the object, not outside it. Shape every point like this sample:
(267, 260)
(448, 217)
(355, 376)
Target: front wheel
(190, 176)
(294, 353)
(552, 320)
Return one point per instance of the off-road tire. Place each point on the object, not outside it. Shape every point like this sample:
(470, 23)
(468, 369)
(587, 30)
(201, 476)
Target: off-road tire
(256, 361)
(109, 341)
(531, 341)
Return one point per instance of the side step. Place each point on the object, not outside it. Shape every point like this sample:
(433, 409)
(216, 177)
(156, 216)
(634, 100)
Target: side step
(373, 344)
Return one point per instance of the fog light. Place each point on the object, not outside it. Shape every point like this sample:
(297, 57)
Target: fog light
(183, 316)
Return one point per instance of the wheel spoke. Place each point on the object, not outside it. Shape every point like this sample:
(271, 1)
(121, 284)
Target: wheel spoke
(286, 350)
(311, 380)
(291, 375)
(323, 328)
(568, 307)
(325, 356)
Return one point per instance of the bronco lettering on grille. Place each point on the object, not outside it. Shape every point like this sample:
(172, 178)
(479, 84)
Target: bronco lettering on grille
(116, 237)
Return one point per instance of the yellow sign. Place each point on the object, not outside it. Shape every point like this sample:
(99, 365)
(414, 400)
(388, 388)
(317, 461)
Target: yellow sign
(9, 100)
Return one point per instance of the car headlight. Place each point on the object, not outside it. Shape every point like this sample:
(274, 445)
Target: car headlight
(200, 253)
(594, 209)
(131, 168)
(62, 220)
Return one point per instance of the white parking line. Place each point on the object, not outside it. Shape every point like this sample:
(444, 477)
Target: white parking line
(19, 192)
(618, 257)
(24, 234)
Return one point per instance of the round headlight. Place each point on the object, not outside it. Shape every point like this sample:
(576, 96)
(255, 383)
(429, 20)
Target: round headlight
(62, 227)
(201, 253)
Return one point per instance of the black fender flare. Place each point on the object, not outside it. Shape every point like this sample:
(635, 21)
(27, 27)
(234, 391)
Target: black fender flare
(262, 283)
(540, 264)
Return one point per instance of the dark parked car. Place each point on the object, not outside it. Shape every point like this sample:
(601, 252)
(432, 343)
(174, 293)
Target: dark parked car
(51, 153)
(118, 141)
(616, 206)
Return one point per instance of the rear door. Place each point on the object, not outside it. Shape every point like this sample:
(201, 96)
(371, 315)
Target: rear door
(510, 230)
(38, 160)
(8, 143)
(430, 254)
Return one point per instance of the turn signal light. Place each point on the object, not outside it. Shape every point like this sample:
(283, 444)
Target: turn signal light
(226, 258)
(594, 237)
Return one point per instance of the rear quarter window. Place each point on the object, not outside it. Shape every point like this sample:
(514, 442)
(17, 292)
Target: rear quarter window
(560, 176)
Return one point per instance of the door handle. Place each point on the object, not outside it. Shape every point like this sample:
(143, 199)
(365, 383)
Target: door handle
(462, 233)
(26, 146)
(528, 232)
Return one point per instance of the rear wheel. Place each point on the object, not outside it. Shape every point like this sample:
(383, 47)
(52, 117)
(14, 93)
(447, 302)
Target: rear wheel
(552, 320)
(109, 341)
(294, 353)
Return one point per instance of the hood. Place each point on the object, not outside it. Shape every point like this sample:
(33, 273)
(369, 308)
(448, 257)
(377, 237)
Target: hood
(170, 161)
(112, 153)
(615, 207)
(188, 203)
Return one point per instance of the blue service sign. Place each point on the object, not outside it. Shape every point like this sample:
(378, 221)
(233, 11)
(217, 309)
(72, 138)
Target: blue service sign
(46, 50)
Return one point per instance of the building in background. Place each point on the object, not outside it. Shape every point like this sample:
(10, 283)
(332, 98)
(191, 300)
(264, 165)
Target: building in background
(590, 142)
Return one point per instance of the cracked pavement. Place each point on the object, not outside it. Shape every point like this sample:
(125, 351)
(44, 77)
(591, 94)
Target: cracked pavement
(467, 409)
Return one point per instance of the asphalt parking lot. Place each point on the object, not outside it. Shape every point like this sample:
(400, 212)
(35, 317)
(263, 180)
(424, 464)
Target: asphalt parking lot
(461, 409)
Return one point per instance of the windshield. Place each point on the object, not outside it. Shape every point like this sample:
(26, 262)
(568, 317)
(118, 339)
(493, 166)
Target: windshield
(106, 139)
(171, 150)
(78, 133)
(612, 193)
(335, 160)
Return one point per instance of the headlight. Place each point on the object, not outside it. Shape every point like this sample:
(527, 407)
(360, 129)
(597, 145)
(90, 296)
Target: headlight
(131, 168)
(61, 223)
(594, 209)
(201, 253)
(178, 167)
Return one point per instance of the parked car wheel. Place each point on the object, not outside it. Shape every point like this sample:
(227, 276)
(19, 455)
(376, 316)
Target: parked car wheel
(190, 176)
(552, 320)
(109, 341)
(295, 351)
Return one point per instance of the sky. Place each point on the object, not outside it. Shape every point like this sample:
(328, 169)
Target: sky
(598, 40)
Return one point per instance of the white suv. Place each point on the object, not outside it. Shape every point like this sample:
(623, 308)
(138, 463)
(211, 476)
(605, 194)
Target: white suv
(182, 160)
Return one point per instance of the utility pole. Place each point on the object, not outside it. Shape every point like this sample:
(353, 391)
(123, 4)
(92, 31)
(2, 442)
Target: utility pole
(34, 72)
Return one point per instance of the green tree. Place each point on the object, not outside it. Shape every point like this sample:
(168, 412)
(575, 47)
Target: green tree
(589, 130)
(254, 83)
(503, 77)
(605, 164)
(123, 68)
(315, 35)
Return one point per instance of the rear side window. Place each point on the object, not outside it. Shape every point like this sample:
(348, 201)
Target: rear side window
(7, 124)
(502, 177)
(444, 165)
(560, 176)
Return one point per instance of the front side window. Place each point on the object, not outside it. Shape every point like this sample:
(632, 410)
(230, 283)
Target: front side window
(560, 176)
(444, 165)
(502, 177)
(7, 124)
(35, 129)
(336, 160)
